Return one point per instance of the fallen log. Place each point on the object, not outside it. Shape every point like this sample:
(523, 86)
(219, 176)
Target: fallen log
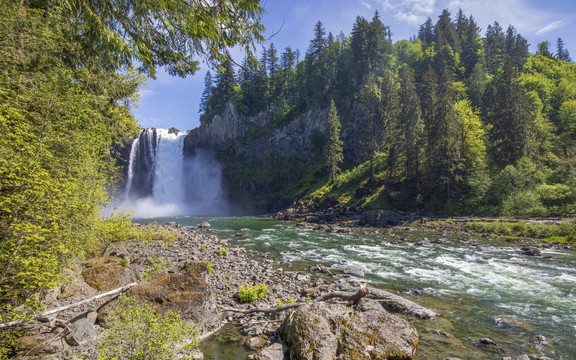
(346, 296)
(43, 316)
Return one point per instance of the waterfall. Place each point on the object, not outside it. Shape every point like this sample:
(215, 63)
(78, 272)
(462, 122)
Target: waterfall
(162, 182)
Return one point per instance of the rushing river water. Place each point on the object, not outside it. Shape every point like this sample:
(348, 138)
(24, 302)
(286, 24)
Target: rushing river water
(472, 282)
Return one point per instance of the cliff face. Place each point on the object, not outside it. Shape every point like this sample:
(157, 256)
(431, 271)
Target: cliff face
(261, 154)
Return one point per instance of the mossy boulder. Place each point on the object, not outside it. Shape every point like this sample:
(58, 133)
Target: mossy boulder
(183, 291)
(324, 331)
(106, 273)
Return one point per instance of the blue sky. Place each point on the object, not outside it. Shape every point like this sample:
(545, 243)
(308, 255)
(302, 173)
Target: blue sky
(173, 102)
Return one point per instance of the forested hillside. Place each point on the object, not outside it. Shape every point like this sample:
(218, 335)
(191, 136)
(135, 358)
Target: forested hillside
(451, 121)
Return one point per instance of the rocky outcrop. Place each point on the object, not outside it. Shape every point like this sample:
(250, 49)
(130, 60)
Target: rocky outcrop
(184, 291)
(106, 273)
(324, 331)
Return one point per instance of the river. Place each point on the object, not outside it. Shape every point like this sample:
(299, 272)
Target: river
(474, 283)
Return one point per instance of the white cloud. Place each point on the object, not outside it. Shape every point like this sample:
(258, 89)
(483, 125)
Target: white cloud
(146, 92)
(551, 27)
(412, 12)
(365, 3)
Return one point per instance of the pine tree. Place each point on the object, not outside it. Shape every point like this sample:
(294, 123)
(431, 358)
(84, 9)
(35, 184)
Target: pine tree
(206, 94)
(410, 125)
(333, 151)
(319, 42)
(272, 60)
(472, 49)
(512, 122)
(561, 52)
(426, 32)
(225, 83)
(494, 47)
(389, 111)
(516, 47)
(373, 130)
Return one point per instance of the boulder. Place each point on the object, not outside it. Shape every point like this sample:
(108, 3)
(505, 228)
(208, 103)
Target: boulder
(323, 331)
(204, 225)
(81, 330)
(184, 291)
(354, 270)
(272, 352)
(511, 321)
(33, 343)
(106, 273)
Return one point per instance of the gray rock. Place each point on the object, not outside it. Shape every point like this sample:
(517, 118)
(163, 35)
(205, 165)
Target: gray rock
(256, 343)
(266, 244)
(81, 330)
(511, 321)
(35, 344)
(204, 225)
(354, 270)
(323, 331)
(272, 352)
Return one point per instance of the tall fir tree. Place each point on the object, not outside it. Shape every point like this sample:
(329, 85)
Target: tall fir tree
(561, 52)
(206, 94)
(512, 123)
(494, 47)
(410, 124)
(333, 151)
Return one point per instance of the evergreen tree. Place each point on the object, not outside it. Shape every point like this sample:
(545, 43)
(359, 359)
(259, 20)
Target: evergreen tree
(516, 47)
(561, 52)
(512, 122)
(225, 83)
(206, 94)
(426, 33)
(389, 111)
(373, 129)
(333, 151)
(272, 60)
(319, 42)
(443, 165)
(445, 32)
(472, 49)
(409, 121)
(494, 47)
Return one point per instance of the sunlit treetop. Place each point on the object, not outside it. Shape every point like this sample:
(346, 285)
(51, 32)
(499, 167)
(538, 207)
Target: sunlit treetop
(175, 34)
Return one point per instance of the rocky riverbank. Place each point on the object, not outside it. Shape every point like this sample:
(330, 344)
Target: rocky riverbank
(198, 276)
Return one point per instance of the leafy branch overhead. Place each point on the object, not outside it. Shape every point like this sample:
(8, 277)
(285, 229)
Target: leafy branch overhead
(168, 33)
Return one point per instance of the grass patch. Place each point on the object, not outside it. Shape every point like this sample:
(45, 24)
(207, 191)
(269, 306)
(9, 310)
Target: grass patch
(564, 232)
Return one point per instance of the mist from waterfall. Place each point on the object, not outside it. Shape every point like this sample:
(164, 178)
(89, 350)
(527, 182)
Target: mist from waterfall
(162, 182)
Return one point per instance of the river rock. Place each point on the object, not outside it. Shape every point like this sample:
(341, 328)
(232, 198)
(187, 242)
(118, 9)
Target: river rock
(325, 331)
(511, 321)
(204, 225)
(529, 251)
(354, 270)
(272, 352)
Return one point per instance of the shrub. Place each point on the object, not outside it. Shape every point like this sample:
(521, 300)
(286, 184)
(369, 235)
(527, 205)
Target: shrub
(281, 302)
(139, 333)
(223, 251)
(250, 293)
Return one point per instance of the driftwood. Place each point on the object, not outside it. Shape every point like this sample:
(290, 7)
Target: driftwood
(349, 297)
(62, 308)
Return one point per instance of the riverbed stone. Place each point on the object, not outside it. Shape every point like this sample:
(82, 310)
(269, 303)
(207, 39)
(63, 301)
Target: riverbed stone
(272, 352)
(323, 331)
(354, 270)
(81, 330)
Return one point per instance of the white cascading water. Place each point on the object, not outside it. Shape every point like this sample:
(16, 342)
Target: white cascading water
(168, 186)
(162, 183)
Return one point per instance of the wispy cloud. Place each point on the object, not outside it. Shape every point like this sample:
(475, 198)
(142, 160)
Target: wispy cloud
(412, 12)
(365, 3)
(551, 27)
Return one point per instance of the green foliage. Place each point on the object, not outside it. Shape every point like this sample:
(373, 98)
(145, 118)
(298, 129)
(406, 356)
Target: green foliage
(139, 333)
(333, 150)
(563, 232)
(210, 267)
(281, 302)
(251, 293)
(157, 265)
(222, 252)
